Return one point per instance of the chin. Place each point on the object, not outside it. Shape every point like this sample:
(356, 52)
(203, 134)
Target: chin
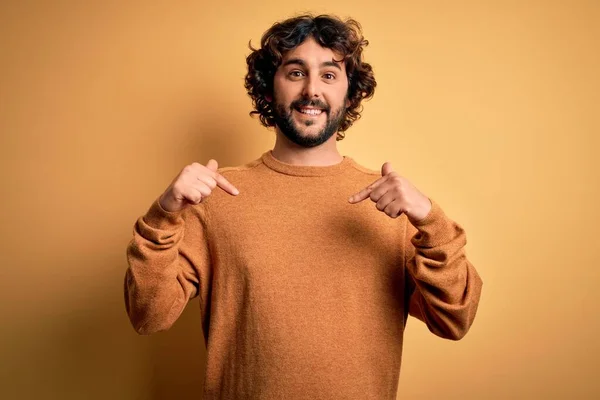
(311, 129)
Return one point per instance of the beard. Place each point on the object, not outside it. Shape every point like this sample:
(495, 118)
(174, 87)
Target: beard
(287, 126)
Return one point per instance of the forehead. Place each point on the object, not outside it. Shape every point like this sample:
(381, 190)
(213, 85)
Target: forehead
(313, 54)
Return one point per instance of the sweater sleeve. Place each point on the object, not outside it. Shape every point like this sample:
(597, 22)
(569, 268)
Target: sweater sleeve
(166, 256)
(444, 286)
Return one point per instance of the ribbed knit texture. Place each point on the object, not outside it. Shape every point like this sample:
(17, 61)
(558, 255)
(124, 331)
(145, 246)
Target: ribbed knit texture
(303, 295)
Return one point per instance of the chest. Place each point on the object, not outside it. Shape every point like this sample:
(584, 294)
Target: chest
(304, 231)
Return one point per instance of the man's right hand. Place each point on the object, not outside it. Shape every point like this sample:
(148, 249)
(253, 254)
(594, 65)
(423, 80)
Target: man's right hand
(194, 183)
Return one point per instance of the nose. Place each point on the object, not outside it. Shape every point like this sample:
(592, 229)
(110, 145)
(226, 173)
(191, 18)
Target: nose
(311, 87)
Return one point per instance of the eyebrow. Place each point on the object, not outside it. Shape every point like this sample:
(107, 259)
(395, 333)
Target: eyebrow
(301, 62)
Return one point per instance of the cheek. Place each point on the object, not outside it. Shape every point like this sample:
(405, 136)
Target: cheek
(337, 97)
(284, 91)
(337, 103)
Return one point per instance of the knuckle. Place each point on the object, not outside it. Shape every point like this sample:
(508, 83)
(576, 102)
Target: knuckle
(178, 187)
(189, 169)
(205, 190)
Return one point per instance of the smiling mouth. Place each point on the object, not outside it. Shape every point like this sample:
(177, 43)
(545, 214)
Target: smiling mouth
(309, 111)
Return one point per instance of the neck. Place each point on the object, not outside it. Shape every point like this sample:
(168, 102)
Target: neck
(290, 153)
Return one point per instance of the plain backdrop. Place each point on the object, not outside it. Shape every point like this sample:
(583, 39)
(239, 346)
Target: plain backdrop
(490, 107)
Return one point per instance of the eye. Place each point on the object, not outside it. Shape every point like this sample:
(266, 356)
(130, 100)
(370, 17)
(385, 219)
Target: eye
(329, 76)
(296, 74)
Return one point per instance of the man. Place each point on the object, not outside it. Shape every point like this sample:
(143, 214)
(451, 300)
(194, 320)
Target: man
(306, 264)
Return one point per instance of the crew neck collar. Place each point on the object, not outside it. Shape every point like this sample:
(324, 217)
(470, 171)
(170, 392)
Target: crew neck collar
(304, 170)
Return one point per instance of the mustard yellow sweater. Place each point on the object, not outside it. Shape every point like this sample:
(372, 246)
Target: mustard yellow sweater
(303, 295)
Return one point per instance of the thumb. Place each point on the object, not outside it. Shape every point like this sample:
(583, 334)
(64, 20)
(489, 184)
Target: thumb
(212, 165)
(386, 169)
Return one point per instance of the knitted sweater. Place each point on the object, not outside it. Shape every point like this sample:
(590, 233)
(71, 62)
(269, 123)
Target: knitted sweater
(303, 295)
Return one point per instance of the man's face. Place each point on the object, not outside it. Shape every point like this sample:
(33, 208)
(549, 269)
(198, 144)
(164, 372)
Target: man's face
(310, 94)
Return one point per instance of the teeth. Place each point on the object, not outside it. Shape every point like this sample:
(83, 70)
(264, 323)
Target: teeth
(311, 111)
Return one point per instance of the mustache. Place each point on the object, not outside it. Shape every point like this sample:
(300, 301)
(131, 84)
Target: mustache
(310, 103)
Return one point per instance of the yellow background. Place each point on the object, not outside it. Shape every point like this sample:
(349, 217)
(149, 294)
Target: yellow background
(491, 108)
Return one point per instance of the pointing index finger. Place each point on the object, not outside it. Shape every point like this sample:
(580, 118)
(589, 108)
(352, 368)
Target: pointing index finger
(224, 184)
(363, 194)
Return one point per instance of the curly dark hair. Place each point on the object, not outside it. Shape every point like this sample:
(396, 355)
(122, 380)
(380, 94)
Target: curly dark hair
(344, 37)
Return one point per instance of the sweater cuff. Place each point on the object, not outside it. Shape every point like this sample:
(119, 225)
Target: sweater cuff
(434, 213)
(159, 218)
(435, 229)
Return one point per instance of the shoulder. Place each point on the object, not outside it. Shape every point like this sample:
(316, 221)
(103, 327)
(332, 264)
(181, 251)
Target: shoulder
(228, 171)
(364, 172)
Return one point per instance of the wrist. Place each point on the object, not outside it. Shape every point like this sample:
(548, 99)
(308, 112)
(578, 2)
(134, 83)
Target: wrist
(421, 212)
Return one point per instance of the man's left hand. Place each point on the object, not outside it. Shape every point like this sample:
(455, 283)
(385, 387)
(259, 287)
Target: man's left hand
(395, 195)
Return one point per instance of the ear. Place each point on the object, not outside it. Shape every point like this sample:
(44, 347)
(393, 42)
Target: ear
(268, 98)
(348, 102)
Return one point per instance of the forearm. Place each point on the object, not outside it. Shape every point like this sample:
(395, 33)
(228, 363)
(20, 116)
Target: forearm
(446, 286)
(161, 278)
